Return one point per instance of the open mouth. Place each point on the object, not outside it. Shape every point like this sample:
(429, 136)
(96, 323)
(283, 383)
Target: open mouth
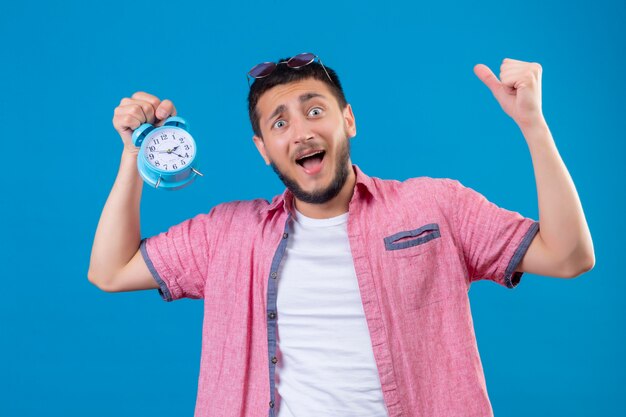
(312, 163)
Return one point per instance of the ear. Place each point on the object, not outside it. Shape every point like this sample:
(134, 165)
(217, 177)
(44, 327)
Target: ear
(349, 121)
(260, 146)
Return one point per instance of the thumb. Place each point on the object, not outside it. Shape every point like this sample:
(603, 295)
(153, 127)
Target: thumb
(488, 77)
(165, 110)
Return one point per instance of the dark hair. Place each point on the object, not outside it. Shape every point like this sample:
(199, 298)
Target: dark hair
(285, 75)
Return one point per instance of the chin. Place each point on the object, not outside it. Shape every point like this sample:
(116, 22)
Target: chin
(318, 195)
(339, 173)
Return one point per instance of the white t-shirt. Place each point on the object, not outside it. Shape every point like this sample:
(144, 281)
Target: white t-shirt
(325, 362)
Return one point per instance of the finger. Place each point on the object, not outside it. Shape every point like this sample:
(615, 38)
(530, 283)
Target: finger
(524, 72)
(135, 110)
(513, 67)
(515, 70)
(508, 63)
(165, 110)
(152, 99)
(512, 61)
(517, 78)
(126, 122)
(487, 77)
(146, 108)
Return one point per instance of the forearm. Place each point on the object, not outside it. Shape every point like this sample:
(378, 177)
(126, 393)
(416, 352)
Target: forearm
(118, 233)
(563, 227)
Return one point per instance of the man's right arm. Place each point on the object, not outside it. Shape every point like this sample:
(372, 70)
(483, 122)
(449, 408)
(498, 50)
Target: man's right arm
(116, 262)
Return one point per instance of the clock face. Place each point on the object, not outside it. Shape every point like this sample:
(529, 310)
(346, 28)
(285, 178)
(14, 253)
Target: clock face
(169, 149)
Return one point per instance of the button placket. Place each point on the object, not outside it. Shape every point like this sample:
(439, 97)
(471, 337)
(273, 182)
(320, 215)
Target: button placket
(272, 289)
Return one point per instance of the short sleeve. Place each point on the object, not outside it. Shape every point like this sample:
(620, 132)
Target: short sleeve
(493, 240)
(178, 259)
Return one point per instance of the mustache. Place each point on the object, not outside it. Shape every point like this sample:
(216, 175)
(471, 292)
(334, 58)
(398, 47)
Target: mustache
(307, 148)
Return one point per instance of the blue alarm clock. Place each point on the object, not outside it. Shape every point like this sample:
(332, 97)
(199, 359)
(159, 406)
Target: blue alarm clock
(167, 154)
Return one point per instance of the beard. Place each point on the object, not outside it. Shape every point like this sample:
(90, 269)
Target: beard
(326, 194)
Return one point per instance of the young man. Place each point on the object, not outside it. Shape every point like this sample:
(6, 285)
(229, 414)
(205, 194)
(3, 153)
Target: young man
(346, 295)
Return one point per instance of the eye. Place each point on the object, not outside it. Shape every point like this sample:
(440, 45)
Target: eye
(315, 111)
(279, 123)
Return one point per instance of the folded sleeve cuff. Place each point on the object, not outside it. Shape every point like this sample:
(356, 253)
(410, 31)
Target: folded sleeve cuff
(163, 289)
(511, 277)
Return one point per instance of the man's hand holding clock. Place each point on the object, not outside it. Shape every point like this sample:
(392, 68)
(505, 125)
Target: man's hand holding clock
(152, 134)
(140, 108)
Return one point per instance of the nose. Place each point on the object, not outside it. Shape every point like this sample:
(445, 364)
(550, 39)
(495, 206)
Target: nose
(300, 130)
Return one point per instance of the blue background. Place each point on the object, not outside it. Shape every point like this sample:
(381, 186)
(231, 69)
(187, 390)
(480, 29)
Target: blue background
(550, 347)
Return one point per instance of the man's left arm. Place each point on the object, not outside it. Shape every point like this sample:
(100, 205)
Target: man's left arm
(563, 247)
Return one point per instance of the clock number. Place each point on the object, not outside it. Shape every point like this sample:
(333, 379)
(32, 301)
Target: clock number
(156, 141)
(186, 154)
(174, 166)
(186, 147)
(151, 156)
(164, 136)
(182, 162)
(165, 165)
(157, 163)
(152, 148)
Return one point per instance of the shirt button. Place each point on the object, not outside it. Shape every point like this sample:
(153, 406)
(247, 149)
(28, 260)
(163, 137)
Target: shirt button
(274, 360)
(272, 315)
(285, 235)
(274, 274)
(271, 404)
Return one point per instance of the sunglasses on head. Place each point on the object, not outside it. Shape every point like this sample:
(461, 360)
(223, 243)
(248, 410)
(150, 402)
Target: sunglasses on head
(264, 69)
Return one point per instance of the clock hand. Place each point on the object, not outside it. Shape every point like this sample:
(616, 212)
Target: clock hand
(170, 150)
(167, 151)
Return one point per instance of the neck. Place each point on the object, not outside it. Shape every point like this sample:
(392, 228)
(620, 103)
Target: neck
(334, 207)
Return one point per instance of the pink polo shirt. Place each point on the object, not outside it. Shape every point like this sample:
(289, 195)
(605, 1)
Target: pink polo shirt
(417, 246)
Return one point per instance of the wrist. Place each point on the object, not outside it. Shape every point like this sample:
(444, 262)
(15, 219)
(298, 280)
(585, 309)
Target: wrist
(128, 164)
(130, 155)
(535, 125)
(537, 136)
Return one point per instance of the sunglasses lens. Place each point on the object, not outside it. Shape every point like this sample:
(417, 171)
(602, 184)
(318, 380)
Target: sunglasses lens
(262, 70)
(301, 60)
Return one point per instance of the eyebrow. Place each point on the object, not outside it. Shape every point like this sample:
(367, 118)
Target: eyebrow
(303, 99)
